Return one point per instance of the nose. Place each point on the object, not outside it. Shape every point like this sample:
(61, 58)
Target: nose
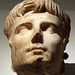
(38, 38)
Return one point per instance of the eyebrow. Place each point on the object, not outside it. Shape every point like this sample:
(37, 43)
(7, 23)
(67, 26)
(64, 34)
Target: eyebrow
(42, 24)
(22, 24)
(49, 24)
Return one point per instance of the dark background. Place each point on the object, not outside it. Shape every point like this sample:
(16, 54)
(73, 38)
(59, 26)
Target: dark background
(65, 4)
(69, 69)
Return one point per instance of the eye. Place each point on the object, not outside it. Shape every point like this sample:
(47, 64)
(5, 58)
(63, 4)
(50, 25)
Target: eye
(51, 30)
(23, 28)
(49, 27)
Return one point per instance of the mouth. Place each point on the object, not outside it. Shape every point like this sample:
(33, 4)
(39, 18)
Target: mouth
(38, 48)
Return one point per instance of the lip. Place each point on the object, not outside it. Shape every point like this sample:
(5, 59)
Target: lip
(44, 49)
(38, 48)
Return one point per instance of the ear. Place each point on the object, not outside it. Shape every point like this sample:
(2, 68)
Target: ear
(10, 42)
(12, 68)
(65, 41)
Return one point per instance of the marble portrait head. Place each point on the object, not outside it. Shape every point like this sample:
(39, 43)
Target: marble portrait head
(38, 32)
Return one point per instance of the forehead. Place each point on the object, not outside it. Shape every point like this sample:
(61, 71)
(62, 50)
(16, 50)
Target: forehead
(37, 18)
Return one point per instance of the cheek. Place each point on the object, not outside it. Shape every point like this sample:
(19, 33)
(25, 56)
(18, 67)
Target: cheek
(54, 45)
(53, 42)
(52, 38)
(19, 43)
(21, 40)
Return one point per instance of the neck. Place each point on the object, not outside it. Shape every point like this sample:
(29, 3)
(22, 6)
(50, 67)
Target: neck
(36, 74)
(38, 71)
(46, 68)
(39, 74)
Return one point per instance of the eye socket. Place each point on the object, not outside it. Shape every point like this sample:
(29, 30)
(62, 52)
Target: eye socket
(44, 26)
(23, 27)
(49, 27)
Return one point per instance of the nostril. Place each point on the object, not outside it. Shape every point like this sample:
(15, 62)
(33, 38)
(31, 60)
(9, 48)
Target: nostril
(39, 59)
(37, 34)
(38, 38)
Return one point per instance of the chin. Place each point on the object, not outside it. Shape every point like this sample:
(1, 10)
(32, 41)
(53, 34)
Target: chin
(37, 59)
(33, 63)
(32, 60)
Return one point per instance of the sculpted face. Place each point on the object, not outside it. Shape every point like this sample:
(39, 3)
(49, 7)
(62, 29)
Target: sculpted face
(36, 37)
